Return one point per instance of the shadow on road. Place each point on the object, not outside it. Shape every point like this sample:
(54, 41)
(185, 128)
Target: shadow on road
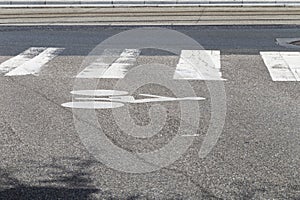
(67, 183)
(70, 178)
(27, 192)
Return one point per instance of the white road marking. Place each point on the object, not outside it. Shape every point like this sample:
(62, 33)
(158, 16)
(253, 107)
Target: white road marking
(199, 65)
(293, 60)
(34, 65)
(282, 66)
(99, 93)
(20, 59)
(98, 67)
(193, 135)
(111, 64)
(115, 96)
(131, 99)
(92, 105)
(120, 67)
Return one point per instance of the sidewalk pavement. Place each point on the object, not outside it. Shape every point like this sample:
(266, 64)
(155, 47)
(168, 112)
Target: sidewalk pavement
(117, 3)
(151, 16)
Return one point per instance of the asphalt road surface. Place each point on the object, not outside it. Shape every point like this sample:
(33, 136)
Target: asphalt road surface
(46, 153)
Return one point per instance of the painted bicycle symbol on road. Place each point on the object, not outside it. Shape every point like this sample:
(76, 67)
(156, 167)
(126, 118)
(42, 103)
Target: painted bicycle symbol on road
(106, 99)
(88, 98)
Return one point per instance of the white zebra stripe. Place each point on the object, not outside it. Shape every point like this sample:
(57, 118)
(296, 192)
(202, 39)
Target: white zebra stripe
(121, 66)
(199, 65)
(97, 68)
(282, 66)
(111, 64)
(34, 65)
(20, 59)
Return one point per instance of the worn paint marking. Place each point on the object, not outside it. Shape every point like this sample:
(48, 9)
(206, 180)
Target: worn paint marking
(34, 65)
(98, 66)
(121, 66)
(20, 59)
(199, 65)
(282, 66)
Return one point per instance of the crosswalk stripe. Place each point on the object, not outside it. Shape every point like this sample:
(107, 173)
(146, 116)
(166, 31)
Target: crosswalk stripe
(97, 68)
(199, 65)
(282, 66)
(115, 63)
(20, 59)
(120, 67)
(111, 64)
(34, 65)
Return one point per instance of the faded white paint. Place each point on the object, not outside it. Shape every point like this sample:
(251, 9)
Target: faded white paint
(92, 105)
(282, 66)
(115, 96)
(165, 99)
(121, 66)
(193, 135)
(99, 93)
(20, 59)
(97, 68)
(131, 99)
(34, 65)
(111, 64)
(199, 65)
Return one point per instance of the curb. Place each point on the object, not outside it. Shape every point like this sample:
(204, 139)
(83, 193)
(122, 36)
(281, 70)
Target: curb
(132, 3)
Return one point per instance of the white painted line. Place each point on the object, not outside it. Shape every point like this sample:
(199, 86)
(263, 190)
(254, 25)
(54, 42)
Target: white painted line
(293, 61)
(297, 71)
(34, 65)
(282, 66)
(199, 65)
(97, 68)
(99, 93)
(194, 135)
(166, 99)
(121, 66)
(92, 105)
(113, 99)
(20, 59)
(131, 99)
